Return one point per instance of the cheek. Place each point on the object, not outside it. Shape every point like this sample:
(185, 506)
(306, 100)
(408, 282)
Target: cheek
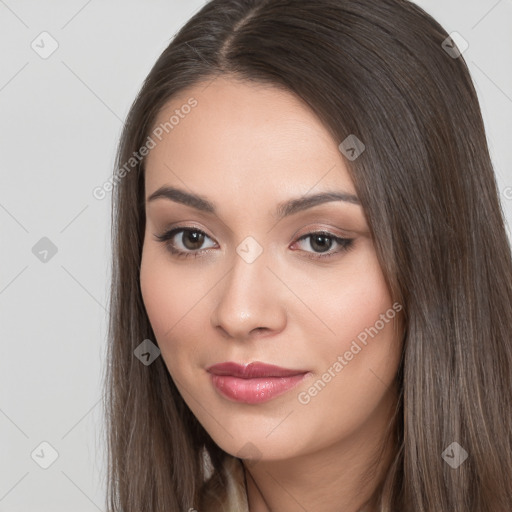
(159, 287)
(362, 351)
(173, 297)
(355, 368)
(363, 311)
(155, 284)
(350, 301)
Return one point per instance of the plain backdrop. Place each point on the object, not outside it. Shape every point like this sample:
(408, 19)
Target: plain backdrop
(60, 120)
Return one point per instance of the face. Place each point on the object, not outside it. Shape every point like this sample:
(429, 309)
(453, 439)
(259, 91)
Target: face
(237, 276)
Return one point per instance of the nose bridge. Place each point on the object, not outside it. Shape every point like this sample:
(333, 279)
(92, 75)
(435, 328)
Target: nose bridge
(248, 297)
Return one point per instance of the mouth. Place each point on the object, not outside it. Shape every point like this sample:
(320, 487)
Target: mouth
(255, 382)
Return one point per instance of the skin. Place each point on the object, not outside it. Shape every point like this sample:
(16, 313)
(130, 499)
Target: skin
(247, 147)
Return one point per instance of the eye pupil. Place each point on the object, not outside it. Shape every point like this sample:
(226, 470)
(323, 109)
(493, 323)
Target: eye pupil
(318, 242)
(192, 240)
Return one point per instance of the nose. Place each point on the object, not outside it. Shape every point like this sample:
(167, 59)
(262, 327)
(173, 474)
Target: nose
(250, 301)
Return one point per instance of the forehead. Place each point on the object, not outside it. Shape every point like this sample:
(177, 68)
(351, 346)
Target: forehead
(243, 136)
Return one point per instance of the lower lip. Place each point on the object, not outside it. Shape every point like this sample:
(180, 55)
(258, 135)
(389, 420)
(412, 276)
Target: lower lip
(255, 390)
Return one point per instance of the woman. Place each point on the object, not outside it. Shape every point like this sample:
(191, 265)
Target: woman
(311, 298)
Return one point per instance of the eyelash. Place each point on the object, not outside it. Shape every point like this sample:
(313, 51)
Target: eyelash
(345, 243)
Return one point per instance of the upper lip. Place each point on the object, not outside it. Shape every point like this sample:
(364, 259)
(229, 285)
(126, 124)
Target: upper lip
(252, 370)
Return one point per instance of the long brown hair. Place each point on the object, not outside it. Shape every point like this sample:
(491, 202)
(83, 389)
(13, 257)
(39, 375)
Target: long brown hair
(377, 69)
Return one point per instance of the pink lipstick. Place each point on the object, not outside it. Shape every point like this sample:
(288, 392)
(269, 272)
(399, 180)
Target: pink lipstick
(255, 382)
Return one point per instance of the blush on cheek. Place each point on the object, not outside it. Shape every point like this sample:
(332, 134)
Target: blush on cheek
(370, 339)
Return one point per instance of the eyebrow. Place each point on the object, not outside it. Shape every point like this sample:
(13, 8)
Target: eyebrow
(283, 209)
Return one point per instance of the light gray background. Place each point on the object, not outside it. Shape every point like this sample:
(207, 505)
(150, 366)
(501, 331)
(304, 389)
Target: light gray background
(60, 119)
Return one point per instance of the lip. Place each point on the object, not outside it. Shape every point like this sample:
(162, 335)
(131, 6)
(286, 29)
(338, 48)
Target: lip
(255, 382)
(252, 370)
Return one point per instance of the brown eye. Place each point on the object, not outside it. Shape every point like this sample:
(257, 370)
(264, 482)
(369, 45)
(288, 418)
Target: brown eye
(188, 244)
(192, 240)
(321, 242)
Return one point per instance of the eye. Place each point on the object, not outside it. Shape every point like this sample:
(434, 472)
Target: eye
(191, 239)
(322, 241)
